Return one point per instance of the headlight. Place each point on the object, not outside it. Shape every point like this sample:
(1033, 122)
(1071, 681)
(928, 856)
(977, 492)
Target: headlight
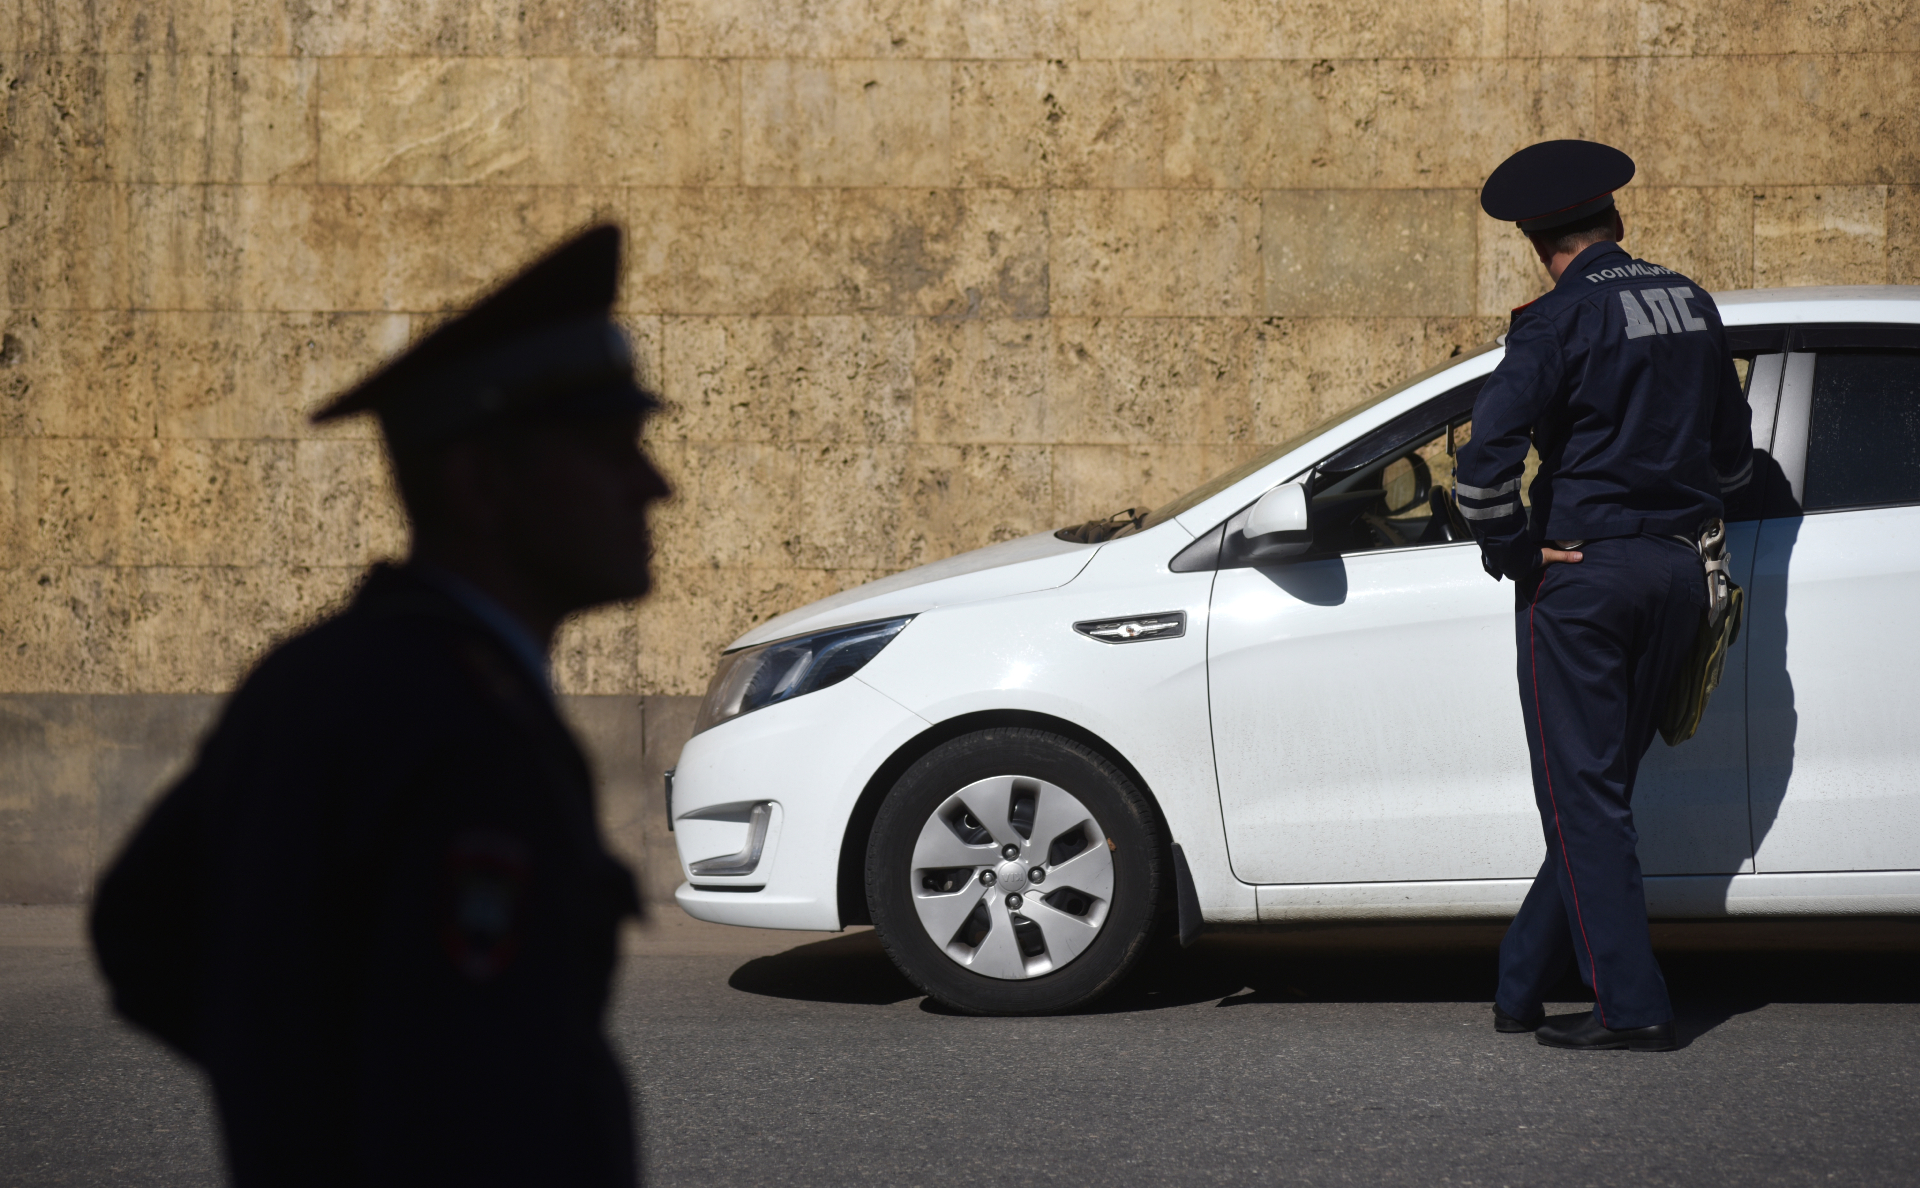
(754, 677)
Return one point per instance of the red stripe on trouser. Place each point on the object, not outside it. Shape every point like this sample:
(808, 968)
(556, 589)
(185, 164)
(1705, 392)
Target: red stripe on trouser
(1533, 659)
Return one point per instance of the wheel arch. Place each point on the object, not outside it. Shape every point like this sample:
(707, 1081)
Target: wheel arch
(851, 884)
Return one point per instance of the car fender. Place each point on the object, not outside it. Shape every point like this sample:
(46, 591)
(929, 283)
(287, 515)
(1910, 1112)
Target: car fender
(1144, 700)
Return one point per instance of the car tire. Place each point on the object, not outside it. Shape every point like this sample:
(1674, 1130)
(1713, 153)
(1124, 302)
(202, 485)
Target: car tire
(927, 841)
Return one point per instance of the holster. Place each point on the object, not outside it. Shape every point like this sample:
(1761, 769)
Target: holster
(1700, 673)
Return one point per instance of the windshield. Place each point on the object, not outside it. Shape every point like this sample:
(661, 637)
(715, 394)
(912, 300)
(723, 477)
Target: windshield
(1212, 487)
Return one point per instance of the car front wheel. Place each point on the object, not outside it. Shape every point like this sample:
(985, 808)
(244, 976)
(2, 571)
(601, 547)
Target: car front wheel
(1013, 871)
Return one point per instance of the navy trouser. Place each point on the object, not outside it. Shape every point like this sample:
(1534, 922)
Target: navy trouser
(1599, 642)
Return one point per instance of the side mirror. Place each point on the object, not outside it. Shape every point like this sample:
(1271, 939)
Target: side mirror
(1277, 527)
(1281, 512)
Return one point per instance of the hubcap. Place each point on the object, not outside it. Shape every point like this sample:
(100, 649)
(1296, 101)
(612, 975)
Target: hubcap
(1012, 877)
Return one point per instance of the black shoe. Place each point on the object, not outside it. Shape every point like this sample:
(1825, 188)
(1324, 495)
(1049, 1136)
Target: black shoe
(1586, 1033)
(1506, 1024)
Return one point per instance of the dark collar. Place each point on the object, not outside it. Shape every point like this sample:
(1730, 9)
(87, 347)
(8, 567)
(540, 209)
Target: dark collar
(398, 591)
(520, 642)
(1589, 260)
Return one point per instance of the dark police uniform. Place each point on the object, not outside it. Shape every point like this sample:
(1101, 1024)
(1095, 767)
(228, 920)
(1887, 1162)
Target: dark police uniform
(378, 911)
(1621, 379)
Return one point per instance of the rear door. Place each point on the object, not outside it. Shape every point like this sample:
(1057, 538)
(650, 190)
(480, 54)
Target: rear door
(1834, 672)
(1690, 800)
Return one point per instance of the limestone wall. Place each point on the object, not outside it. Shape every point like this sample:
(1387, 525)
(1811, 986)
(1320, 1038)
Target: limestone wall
(915, 275)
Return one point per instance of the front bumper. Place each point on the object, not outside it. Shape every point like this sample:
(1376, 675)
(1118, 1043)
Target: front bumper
(809, 759)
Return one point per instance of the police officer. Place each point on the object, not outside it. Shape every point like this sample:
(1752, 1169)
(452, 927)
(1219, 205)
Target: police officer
(379, 911)
(1620, 379)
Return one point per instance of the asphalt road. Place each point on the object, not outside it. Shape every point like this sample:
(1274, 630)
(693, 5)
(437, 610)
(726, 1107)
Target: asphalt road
(1338, 1057)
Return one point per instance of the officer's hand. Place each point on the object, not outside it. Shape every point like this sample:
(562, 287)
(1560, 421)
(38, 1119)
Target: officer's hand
(1559, 557)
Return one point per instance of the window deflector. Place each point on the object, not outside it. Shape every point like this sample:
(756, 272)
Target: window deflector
(1790, 424)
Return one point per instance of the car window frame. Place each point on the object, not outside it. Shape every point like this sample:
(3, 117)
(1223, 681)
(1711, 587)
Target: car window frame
(1212, 549)
(1767, 395)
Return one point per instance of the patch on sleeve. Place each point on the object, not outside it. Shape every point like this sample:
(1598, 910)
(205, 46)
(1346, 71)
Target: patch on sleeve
(483, 902)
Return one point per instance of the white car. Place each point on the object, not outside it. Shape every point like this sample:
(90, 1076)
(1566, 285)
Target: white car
(1289, 695)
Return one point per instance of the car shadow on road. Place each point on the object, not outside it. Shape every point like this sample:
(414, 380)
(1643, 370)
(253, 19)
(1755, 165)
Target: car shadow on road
(848, 969)
(1714, 971)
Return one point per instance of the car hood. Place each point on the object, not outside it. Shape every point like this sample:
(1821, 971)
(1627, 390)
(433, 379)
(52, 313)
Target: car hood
(1038, 562)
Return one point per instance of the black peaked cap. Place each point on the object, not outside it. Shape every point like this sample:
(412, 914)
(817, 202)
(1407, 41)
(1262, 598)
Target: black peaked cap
(1554, 182)
(542, 345)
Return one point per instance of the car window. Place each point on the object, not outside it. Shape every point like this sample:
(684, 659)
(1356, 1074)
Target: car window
(1397, 499)
(1413, 469)
(1863, 432)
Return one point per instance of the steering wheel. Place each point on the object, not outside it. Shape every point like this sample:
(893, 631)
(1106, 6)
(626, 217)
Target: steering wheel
(1446, 514)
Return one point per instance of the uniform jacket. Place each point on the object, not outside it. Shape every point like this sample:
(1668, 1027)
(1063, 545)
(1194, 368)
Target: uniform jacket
(1621, 379)
(379, 913)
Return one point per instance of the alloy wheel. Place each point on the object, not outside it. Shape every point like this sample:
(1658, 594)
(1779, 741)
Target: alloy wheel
(1012, 877)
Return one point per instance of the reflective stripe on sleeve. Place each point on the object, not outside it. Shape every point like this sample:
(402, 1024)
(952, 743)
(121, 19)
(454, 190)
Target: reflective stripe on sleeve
(1491, 513)
(1738, 479)
(1471, 492)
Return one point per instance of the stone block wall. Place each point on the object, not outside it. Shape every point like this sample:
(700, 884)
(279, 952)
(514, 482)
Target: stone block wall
(914, 276)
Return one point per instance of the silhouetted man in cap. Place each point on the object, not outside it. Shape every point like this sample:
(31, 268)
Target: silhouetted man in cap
(1621, 379)
(378, 911)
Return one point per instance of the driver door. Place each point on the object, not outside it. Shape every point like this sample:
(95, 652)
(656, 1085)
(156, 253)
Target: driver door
(1365, 707)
